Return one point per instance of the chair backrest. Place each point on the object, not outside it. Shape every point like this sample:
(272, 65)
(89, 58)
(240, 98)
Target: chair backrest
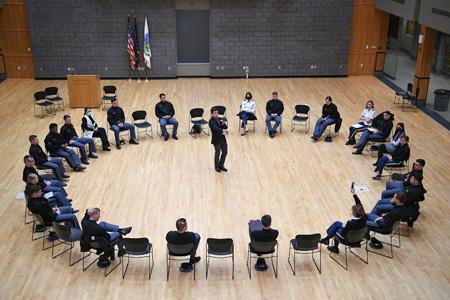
(180, 250)
(39, 96)
(109, 89)
(302, 109)
(196, 112)
(62, 231)
(220, 245)
(307, 242)
(139, 115)
(221, 110)
(264, 247)
(356, 235)
(38, 219)
(51, 91)
(136, 245)
(99, 243)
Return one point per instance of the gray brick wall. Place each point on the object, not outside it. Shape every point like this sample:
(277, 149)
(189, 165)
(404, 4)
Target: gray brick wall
(91, 35)
(280, 37)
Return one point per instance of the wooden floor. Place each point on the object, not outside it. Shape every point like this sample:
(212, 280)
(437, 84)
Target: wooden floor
(303, 185)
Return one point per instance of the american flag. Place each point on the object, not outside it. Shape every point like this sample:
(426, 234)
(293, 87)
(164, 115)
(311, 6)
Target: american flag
(130, 46)
(137, 50)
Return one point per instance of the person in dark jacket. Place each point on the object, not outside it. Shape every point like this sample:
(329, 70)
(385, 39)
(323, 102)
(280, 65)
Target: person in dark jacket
(182, 237)
(380, 130)
(164, 111)
(43, 160)
(329, 116)
(69, 134)
(358, 221)
(261, 231)
(417, 168)
(412, 187)
(400, 154)
(37, 204)
(116, 120)
(396, 138)
(218, 131)
(91, 129)
(56, 146)
(274, 109)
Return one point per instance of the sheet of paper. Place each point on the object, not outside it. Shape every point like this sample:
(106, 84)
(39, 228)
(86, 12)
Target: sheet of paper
(357, 125)
(48, 195)
(360, 188)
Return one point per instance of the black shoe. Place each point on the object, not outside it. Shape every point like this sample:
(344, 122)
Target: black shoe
(39, 228)
(314, 138)
(68, 199)
(218, 170)
(223, 169)
(125, 231)
(271, 135)
(174, 136)
(134, 142)
(79, 168)
(166, 137)
(195, 260)
(376, 244)
(92, 155)
(357, 152)
(122, 142)
(103, 263)
(118, 147)
(378, 177)
(63, 183)
(121, 253)
(374, 164)
(333, 249)
(355, 147)
(65, 176)
(350, 143)
(85, 162)
(325, 241)
(106, 149)
(75, 211)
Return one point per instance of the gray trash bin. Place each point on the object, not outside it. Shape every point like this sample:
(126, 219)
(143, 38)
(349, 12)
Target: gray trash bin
(441, 99)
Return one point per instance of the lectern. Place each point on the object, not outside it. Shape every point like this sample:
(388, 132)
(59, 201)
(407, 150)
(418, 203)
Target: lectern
(84, 90)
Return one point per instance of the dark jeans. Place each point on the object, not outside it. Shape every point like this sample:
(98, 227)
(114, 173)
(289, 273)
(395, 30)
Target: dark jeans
(56, 165)
(101, 133)
(219, 160)
(369, 136)
(353, 130)
(336, 227)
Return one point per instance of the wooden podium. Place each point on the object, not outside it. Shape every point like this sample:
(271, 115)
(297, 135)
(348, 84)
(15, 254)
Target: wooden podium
(84, 90)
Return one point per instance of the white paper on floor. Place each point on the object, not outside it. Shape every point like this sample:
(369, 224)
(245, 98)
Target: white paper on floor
(360, 188)
(20, 196)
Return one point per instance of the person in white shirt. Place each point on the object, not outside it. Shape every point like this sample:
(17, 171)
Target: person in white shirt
(247, 111)
(91, 129)
(365, 120)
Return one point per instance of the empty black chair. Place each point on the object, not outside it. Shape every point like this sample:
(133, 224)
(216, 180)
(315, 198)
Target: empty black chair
(40, 100)
(52, 94)
(306, 244)
(196, 119)
(109, 94)
(141, 123)
(219, 248)
(353, 239)
(262, 250)
(138, 248)
(394, 231)
(410, 102)
(66, 236)
(178, 253)
(222, 110)
(399, 95)
(301, 116)
(102, 247)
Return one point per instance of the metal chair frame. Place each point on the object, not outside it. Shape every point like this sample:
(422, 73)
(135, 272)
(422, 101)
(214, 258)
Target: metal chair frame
(348, 246)
(295, 251)
(145, 129)
(394, 232)
(210, 255)
(269, 255)
(181, 257)
(192, 122)
(303, 115)
(151, 261)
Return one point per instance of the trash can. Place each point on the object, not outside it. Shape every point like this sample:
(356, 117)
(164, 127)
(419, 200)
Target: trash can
(441, 99)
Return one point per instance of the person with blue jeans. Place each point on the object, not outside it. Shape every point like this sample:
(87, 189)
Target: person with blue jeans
(44, 161)
(247, 111)
(69, 134)
(116, 119)
(329, 116)
(165, 111)
(183, 237)
(400, 154)
(56, 146)
(379, 132)
(274, 109)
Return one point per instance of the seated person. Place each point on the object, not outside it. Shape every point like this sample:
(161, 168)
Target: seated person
(116, 120)
(69, 134)
(56, 146)
(357, 221)
(247, 111)
(112, 233)
(417, 168)
(390, 147)
(182, 237)
(261, 231)
(91, 129)
(164, 111)
(365, 120)
(53, 197)
(400, 154)
(380, 130)
(413, 188)
(329, 116)
(274, 109)
(37, 204)
(43, 160)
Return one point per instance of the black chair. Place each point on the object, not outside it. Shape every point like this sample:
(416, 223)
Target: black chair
(251, 120)
(109, 94)
(40, 100)
(141, 123)
(222, 110)
(52, 95)
(306, 244)
(401, 94)
(196, 119)
(409, 101)
(353, 239)
(102, 248)
(45, 227)
(301, 116)
(66, 236)
(138, 248)
(394, 231)
(27, 212)
(397, 167)
(219, 248)
(178, 253)
(262, 250)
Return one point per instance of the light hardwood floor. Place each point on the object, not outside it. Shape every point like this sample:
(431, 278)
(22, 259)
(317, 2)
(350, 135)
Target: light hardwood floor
(303, 185)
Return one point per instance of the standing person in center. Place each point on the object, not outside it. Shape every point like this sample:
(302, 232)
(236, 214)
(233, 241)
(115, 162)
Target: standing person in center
(274, 109)
(218, 131)
(164, 111)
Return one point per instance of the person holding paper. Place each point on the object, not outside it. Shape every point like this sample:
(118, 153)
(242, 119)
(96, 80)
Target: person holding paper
(379, 132)
(91, 129)
(52, 196)
(365, 120)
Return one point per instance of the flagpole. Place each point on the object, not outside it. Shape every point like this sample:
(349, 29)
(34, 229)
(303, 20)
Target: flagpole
(146, 77)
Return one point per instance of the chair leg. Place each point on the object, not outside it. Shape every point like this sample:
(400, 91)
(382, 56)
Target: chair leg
(249, 262)
(126, 267)
(167, 265)
(289, 260)
(206, 261)
(150, 265)
(232, 265)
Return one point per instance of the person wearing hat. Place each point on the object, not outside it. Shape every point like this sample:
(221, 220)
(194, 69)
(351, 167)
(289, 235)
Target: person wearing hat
(218, 131)
(329, 116)
(274, 109)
